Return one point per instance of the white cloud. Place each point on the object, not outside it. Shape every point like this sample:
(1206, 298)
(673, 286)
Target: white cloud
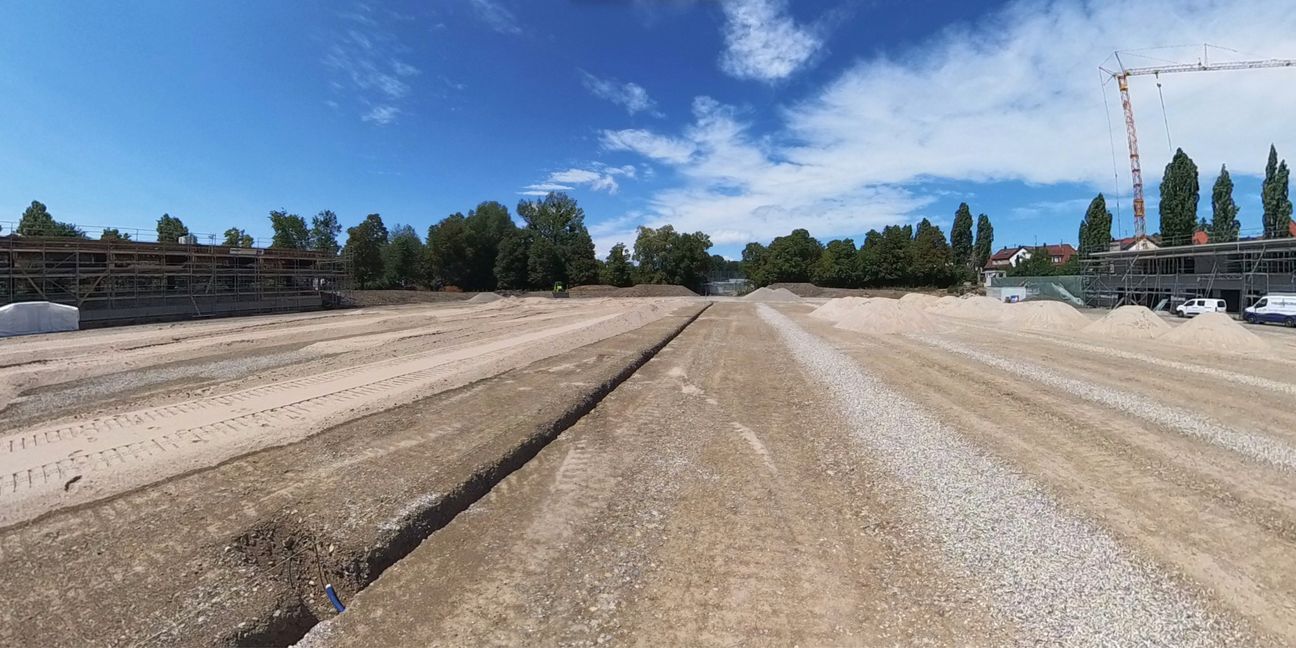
(1014, 97)
(496, 16)
(647, 144)
(361, 59)
(764, 43)
(630, 96)
(600, 177)
(381, 115)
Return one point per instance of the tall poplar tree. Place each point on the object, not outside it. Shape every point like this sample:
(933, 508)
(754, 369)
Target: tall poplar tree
(1095, 229)
(1224, 224)
(984, 245)
(1179, 195)
(1273, 197)
(961, 244)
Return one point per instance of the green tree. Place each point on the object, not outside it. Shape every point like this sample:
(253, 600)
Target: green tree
(402, 257)
(892, 260)
(487, 226)
(617, 270)
(170, 229)
(931, 255)
(665, 256)
(324, 231)
(792, 258)
(1179, 196)
(984, 246)
(1095, 229)
(237, 238)
(290, 231)
(113, 234)
(961, 242)
(838, 266)
(1224, 226)
(511, 261)
(1037, 264)
(568, 252)
(449, 253)
(1274, 198)
(37, 221)
(364, 250)
(755, 264)
(868, 258)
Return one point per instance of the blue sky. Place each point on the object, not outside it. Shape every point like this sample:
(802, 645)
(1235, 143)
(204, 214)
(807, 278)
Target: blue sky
(741, 118)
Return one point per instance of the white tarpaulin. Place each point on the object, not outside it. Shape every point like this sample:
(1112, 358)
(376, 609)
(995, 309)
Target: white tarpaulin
(25, 318)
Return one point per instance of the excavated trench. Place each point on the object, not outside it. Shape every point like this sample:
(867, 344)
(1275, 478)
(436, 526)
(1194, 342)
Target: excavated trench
(297, 556)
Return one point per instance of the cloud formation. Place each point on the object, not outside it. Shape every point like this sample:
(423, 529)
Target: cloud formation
(1013, 97)
(598, 178)
(363, 58)
(496, 16)
(630, 96)
(764, 43)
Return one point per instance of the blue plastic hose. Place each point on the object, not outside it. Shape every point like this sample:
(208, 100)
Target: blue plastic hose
(333, 598)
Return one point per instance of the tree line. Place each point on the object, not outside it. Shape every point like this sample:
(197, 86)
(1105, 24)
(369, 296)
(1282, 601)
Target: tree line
(1180, 194)
(899, 255)
(485, 250)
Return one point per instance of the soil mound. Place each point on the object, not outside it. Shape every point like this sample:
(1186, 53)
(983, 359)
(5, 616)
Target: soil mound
(800, 289)
(976, 308)
(920, 300)
(836, 309)
(641, 290)
(398, 297)
(485, 298)
(1130, 323)
(1044, 316)
(887, 317)
(1214, 332)
(772, 295)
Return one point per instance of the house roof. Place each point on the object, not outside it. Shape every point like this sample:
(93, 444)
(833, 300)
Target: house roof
(1064, 250)
(1006, 253)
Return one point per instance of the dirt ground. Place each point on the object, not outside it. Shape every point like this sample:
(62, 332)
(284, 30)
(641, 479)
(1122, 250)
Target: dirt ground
(641, 471)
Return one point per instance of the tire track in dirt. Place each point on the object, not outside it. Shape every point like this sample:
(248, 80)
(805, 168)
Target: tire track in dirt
(127, 448)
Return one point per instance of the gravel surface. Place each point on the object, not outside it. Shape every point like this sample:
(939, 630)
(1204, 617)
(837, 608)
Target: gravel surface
(1184, 421)
(1060, 579)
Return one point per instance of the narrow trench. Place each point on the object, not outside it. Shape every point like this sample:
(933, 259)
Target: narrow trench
(291, 620)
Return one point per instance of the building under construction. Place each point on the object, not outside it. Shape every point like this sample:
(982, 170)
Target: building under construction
(116, 281)
(1240, 273)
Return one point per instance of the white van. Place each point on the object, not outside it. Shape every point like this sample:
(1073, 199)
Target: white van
(1273, 308)
(1199, 306)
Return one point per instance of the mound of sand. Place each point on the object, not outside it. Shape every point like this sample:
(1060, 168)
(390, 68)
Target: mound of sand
(1129, 323)
(885, 317)
(835, 309)
(1214, 332)
(485, 298)
(919, 299)
(975, 307)
(774, 295)
(1044, 316)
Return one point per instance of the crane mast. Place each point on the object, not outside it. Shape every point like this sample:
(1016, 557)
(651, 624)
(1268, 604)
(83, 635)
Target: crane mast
(1122, 76)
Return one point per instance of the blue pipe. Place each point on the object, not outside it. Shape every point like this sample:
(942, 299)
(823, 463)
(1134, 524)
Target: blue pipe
(333, 598)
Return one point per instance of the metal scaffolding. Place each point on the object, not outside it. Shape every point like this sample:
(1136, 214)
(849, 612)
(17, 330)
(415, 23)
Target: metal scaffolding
(1239, 272)
(122, 281)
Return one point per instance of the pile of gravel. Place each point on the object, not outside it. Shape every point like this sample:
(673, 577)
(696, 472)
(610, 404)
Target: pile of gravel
(886, 317)
(920, 300)
(1060, 579)
(485, 298)
(1129, 323)
(772, 295)
(1214, 332)
(1044, 316)
(835, 309)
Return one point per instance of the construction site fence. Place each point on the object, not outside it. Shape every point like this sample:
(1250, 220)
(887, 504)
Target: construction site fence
(1065, 288)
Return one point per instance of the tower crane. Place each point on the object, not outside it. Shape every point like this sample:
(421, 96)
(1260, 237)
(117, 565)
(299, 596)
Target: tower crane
(1122, 76)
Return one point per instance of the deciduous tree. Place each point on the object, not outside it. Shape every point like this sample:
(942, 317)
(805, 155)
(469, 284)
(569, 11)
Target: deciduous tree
(664, 256)
(617, 270)
(1224, 226)
(237, 238)
(170, 229)
(113, 234)
(838, 266)
(931, 255)
(364, 250)
(324, 231)
(448, 260)
(290, 231)
(402, 258)
(1180, 193)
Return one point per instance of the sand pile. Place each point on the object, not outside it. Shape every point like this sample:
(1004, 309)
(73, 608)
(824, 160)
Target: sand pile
(1214, 332)
(1044, 316)
(1130, 323)
(919, 299)
(485, 298)
(885, 317)
(774, 295)
(835, 309)
(975, 307)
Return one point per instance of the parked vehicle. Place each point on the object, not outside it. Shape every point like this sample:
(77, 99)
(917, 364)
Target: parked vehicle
(1198, 306)
(1272, 309)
